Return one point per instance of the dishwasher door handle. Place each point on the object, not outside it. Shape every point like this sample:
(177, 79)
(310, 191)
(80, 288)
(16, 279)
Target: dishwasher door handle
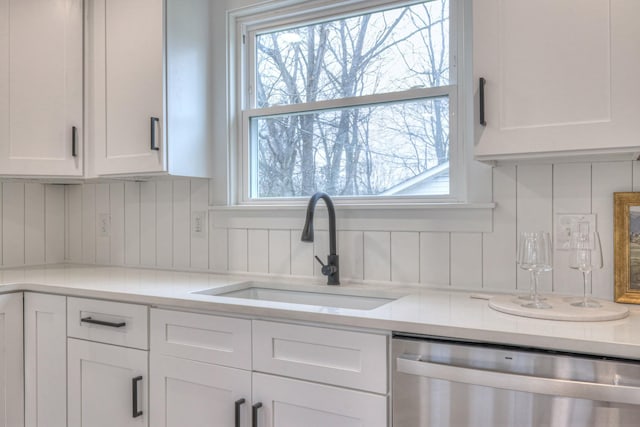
(518, 382)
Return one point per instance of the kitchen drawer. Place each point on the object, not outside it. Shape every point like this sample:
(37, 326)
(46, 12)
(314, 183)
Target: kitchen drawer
(118, 323)
(344, 358)
(201, 337)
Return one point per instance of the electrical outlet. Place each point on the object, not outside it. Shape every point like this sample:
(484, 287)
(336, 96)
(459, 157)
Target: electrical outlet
(566, 224)
(198, 223)
(104, 225)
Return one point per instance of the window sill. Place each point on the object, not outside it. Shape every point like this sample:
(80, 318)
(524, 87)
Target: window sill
(445, 217)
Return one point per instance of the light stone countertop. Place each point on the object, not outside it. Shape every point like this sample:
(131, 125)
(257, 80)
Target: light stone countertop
(417, 310)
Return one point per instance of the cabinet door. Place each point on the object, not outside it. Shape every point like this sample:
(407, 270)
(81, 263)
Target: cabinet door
(11, 361)
(102, 386)
(45, 356)
(561, 77)
(292, 403)
(196, 394)
(127, 78)
(41, 82)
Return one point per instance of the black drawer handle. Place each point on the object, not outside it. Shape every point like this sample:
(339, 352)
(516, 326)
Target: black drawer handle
(238, 404)
(74, 141)
(103, 323)
(481, 84)
(254, 414)
(134, 395)
(154, 121)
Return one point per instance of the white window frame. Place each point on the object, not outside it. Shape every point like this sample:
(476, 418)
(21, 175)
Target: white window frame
(245, 23)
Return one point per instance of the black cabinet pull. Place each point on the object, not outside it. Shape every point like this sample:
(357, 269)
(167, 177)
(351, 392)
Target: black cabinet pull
(254, 414)
(74, 141)
(481, 84)
(103, 323)
(239, 403)
(134, 396)
(154, 121)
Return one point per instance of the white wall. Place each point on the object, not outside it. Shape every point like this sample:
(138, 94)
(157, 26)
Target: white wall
(150, 226)
(32, 226)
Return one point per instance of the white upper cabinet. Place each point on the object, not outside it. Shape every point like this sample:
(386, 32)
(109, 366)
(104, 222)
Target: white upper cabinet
(41, 94)
(149, 87)
(561, 78)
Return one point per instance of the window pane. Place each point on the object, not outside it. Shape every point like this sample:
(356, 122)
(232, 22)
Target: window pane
(374, 53)
(396, 149)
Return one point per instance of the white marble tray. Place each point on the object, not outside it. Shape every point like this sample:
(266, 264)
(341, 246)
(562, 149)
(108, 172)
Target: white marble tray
(561, 309)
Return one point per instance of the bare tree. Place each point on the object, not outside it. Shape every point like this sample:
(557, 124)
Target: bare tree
(360, 150)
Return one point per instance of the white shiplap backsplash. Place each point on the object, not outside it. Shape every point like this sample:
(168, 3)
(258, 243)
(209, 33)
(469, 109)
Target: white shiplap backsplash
(150, 226)
(32, 223)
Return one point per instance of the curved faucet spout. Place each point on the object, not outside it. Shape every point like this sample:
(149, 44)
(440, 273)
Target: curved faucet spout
(331, 268)
(307, 231)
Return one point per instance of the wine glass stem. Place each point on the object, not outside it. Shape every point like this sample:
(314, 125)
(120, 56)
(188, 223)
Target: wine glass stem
(531, 285)
(585, 276)
(536, 278)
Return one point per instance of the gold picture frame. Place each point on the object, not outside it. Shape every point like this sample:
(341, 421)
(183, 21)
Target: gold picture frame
(626, 244)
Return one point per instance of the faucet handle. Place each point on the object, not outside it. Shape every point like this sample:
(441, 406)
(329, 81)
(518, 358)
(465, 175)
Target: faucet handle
(326, 269)
(320, 261)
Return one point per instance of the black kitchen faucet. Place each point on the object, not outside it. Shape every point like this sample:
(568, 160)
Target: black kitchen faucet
(331, 268)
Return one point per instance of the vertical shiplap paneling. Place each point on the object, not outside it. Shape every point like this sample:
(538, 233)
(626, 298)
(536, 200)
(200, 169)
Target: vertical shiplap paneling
(218, 248)
(200, 242)
(377, 255)
(54, 223)
(280, 252)
(13, 223)
(89, 223)
(535, 212)
(181, 224)
(302, 260)
(34, 224)
(164, 224)
(258, 251)
(435, 258)
(148, 212)
(103, 233)
(321, 250)
(351, 252)
(73, 223)
(405, 257)
(636, 175)
(499, 246)
(132, 207)
(2, 243)
(466, 260)
(238, 249)
(606, 179)
(116, 211)
(571, 194)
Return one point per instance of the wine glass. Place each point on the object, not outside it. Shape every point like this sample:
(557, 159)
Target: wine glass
(534, 255)
(585, 255)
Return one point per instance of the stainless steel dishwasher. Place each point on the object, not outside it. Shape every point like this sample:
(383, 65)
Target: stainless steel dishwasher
(438, 382)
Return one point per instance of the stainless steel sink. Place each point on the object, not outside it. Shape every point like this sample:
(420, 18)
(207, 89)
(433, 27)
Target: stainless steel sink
(334, 298)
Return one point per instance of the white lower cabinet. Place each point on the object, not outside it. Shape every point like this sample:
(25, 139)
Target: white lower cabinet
(11, 361)
(107, 385)
(284, 402)
(190, 386)
(196, 394)
(45, 359)
(201, 370)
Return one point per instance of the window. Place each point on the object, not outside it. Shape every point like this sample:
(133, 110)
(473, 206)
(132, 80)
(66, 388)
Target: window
(359, 103)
